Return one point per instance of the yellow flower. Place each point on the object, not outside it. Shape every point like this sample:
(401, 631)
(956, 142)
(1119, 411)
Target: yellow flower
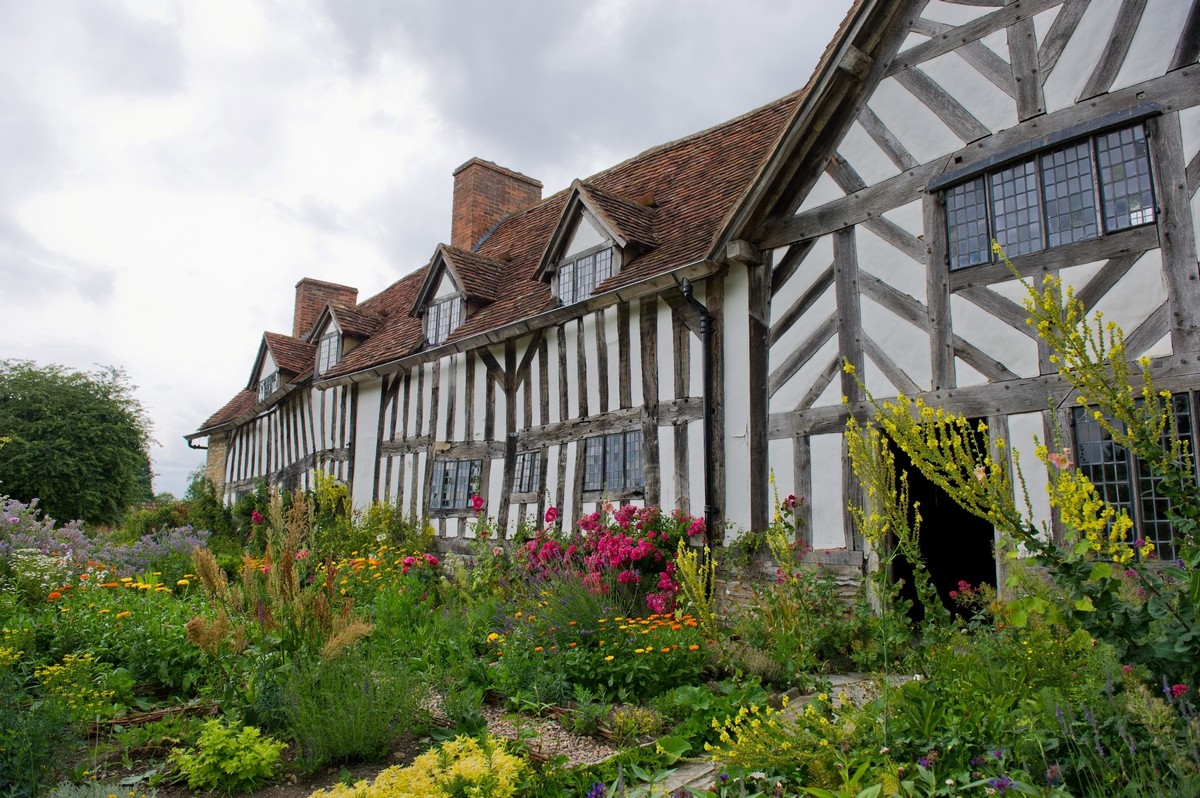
(183, 583)
(123, 614)
(609, 658)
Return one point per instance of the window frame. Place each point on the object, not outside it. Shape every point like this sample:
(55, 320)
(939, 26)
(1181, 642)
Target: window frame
(1124, 481)
(329, 351)
(980, 185)
(527, 473)
(463, 484)
(607, 469)
(268, 380)
(570, 267)
(452, 309)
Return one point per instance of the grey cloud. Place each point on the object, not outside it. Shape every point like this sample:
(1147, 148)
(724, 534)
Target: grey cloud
(130, 55)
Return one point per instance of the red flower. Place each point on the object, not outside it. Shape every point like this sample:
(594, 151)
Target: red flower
(429, 558)
(54, 594)
(1177, 690)
(551, 515)
(477, 503)
(256, 517)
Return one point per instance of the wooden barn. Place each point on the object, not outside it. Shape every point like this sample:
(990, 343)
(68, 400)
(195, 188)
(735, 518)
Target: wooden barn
(670, 331)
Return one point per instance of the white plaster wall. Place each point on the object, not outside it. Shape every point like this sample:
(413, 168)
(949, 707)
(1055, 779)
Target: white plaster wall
(1025, 429)
(876, 381)
(666, 353)
(911, 217)
(792, 392)
(552, 375)
(696, 350)
(1160, 348)
(827, 500)
(1017, 351)
(832, 395)
(1137, 294)
(1196, 221)
(613, 344)
(635, 353)
(912, 40)
(905, 344)
(1153, 43)
(864, 156)
(459, 364)
(567, 381)
(779, 459)
(445, 286)
(913, 124)
(592, 358)
(737, 382)
(370, 395)
(818, 311)
(879, 258)
(666, 466)
(984, 99)
(583, 237)
(551, 477)
(823, 191)
(567, 500)
(418, 501)
(268, 365)
(695, 439)
(1189, 120)
(997, 42)
(1042, 22)
(1080, 56)
(443, 365)
(965, 376)
(816, 261)
(1075, 277)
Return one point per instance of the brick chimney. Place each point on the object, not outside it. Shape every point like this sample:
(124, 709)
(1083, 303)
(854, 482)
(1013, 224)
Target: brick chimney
(485, 193)
(311, 298)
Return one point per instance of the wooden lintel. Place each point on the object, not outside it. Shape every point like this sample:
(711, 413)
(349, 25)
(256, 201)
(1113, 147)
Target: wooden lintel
(856, 63)
(741, 252)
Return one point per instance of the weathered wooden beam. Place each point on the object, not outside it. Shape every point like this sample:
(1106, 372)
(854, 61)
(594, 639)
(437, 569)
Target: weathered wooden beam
(788, 264)
(789, 317)
(820, 383)
(894, 374)
(849, 313)
(802, 485)
(1002, 308)
(1188, 48)
(1175, 232)
(522, 372)
(1115, 50)
(648, 328)
(601, 360)
(802, 353)
(983, 58)
(981, 361)
(1059, 34)
(885, 139)
(953, 114)
(903, 305)
(971, 31)
(1103, 281)
(1026, 72)
(1150, 331)
(624, 374)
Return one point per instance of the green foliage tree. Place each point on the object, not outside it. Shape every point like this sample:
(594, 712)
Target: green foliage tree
(78, 441)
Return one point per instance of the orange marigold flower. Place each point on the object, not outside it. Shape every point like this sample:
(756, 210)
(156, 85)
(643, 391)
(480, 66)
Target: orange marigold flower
(537, 648)
(666, 649)
(693, 647)
(123, 614)
(54, 594)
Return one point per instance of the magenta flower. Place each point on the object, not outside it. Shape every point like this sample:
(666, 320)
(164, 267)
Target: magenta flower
(477, 503)
(551, 515)
(256, 517)
(1178, 690)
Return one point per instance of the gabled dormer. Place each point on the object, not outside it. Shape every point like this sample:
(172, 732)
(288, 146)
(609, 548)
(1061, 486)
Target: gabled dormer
(281, 361)
(597, 234)
(457, 285)
(337, 332)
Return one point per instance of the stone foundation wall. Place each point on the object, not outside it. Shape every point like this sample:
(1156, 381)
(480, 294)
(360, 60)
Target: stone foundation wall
(735, 583)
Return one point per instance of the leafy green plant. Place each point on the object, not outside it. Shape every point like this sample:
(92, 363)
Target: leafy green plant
(587, 713)
(629, 722)
(228, 759)
(100, 789)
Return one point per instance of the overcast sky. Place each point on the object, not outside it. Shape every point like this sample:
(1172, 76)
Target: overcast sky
(169, 170)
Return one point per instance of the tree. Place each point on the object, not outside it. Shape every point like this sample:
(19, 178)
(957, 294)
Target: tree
(78, 441)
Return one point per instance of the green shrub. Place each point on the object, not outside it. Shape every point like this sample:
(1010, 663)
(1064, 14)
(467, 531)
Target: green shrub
(228, 760)
(35, 735)
(350, 708)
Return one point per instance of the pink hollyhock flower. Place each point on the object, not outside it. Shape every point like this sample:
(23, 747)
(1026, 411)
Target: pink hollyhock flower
(1060, 461)
(429, 558)
(551, 515)
(628, 576)
(477, 503)
(256, 517)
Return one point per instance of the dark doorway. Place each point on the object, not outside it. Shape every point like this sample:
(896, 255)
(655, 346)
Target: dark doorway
(957, 546)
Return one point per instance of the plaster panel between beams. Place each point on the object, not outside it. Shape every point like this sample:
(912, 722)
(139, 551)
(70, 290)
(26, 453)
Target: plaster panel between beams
(912, 40)
(1136, 295)
(814, 264)
(554, 379)
(1196, 221)
(635, 353)
(865, 157)
(666, 354)
(1153, 43)
(984, 99)
(910, 217)
(591, 365)
(823, 191)
(1161, 348)
(827, 498)
(832, 395)
(1080, 56)
(1017, 351)
(876, 381)
(965, 376)
(1077, 277)
(816, 315)
(906, 344)
(889, 264)
(954, 13)
(997, 42)
(1043, 21)
(1024, 430)
(911, 122)
(1189, 120)
(666, 470)
(791, 392)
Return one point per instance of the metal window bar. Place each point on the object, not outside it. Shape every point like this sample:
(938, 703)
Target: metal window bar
(968, 239)
(593, 464)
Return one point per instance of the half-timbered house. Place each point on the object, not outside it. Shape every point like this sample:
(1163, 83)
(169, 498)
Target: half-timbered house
(671, 330)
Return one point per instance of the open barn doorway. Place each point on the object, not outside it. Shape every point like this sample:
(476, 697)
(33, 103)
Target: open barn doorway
(956, 545)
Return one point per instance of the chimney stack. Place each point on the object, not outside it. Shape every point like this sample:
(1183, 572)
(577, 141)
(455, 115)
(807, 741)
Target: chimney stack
(311, 298)
(485, 193)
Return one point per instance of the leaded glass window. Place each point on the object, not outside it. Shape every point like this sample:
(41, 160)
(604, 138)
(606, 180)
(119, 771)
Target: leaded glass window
(1015, 209)
(268, 385)
(329, 351)
(442, 318)
(454, 481)
(613, 462)
(966, 215)
(1125, 178)
(1070, 193)
(577, 279)
(527, 473)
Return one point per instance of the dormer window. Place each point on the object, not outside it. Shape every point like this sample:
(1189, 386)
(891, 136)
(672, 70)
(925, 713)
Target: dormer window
(578, 278)
(329, 351)
(268, 385)
(442, 318)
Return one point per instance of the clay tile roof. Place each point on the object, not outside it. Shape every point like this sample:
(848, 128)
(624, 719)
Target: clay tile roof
(629, 220)
(398, 333)
(292, 355)
(241, 402)
(483, 278)
(356, 322)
